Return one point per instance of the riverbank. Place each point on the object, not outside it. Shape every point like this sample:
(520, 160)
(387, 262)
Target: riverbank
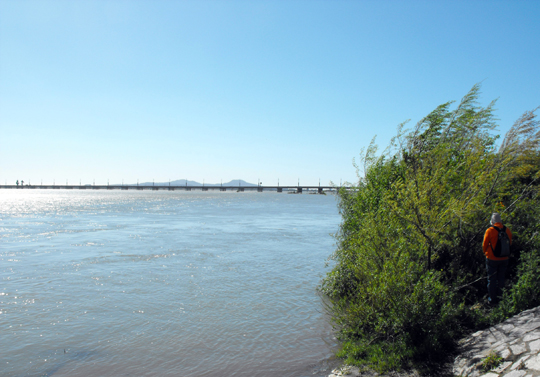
(514, 345)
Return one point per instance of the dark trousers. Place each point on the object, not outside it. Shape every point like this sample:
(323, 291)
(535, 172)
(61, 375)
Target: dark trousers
(496, 271)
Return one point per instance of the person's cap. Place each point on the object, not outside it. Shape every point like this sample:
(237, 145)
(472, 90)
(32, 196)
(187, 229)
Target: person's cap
(495, 218)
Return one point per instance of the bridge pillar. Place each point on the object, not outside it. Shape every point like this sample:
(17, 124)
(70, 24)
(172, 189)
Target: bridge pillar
(320, 190)
(240, 189)
(299, 190)
(280, 189)
(259, 189)
(205, 188)
(222, 189)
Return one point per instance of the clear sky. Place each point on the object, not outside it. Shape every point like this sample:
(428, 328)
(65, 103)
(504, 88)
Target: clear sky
(219, 90)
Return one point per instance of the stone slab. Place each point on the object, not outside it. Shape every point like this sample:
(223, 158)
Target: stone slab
(535, 346)
(516, 373)
(518, 349)
(533, 363)
(533, 335)
(520, 363)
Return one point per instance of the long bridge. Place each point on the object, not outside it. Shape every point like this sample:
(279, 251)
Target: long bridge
(259, 188)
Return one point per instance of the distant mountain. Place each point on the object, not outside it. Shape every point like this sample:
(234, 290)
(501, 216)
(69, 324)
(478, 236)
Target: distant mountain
(182, 182)
(237, 182)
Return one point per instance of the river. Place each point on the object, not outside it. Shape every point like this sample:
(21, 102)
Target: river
(164, 283)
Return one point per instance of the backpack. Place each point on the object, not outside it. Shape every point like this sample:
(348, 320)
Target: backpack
(502, 249)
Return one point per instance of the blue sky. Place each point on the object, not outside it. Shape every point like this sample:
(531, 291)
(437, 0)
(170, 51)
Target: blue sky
(220, 90)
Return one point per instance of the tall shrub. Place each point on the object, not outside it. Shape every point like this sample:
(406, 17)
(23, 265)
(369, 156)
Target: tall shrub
(409, 263)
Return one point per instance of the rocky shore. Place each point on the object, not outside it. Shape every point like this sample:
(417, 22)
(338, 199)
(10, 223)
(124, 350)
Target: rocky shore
(512, 347)
(514, 343)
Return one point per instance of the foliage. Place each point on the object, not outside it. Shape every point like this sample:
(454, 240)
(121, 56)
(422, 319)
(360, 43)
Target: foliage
(409, 265)
(491, 361)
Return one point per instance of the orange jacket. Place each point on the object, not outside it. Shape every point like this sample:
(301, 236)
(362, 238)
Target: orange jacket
(490, 240)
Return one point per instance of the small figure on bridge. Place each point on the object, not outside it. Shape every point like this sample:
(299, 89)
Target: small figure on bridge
(17, 182)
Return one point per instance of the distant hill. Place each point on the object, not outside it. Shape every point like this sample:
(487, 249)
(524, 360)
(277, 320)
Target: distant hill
(182, 182)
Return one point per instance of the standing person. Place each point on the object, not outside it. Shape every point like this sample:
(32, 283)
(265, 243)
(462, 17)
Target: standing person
(496, 247)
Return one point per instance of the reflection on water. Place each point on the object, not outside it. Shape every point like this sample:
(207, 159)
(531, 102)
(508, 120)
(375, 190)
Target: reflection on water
(163, 283)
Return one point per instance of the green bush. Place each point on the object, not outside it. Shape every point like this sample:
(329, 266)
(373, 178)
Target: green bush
(409, 266)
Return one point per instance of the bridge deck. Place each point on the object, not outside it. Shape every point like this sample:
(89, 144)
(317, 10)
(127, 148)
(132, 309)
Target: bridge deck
(172, 188)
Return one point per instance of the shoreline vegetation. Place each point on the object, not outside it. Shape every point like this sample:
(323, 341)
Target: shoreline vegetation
(409, 278)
